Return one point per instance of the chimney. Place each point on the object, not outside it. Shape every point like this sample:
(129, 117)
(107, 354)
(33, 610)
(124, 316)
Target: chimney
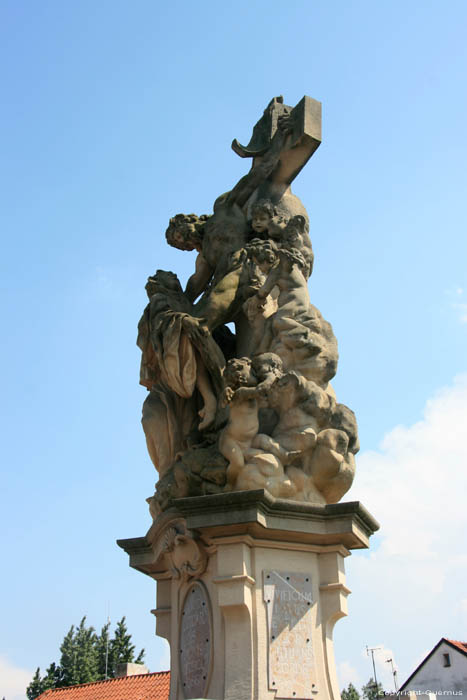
(128, 669)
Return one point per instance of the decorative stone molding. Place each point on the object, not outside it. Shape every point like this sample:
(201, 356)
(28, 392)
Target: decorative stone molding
(185, 551)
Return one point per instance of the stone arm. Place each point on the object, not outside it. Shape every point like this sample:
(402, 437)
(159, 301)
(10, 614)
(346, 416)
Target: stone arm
(199, 280)
(264, 386)
(260, 172)
(307, 252)
(272, 279)
(245, 392)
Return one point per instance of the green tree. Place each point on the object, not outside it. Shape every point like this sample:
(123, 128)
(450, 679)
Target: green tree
(83, 657)
(350, 693)
(35, 687)
(372, 690)
(102, 649)
(68, 660)
(52, 677)
(121, 649)
(86, 653)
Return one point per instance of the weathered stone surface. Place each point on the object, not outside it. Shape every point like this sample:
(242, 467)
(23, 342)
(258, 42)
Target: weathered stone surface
(252, 409)
(195, 642)
(246, 536)
(289, 597)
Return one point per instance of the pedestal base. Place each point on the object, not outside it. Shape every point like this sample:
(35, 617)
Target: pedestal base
(249, 589)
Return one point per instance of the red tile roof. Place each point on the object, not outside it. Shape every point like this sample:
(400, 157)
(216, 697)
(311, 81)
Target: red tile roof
(147, 686)
(462, 646)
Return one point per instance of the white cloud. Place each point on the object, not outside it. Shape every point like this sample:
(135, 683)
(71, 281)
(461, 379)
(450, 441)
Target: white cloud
(13, 680)
(462, 309)
(348, 674)
(456, 295)
(416, 486)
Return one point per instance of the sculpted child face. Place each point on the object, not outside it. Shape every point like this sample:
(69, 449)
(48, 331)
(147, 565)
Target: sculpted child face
(238, 373)
(267, 364)
(260, 221)
(294, 230)
(261, 215)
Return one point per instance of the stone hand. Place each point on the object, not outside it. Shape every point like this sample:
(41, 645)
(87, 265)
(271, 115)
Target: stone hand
(285, 123)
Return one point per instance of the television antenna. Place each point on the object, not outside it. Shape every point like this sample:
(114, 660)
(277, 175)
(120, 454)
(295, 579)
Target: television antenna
(371, 650)
(394, 673)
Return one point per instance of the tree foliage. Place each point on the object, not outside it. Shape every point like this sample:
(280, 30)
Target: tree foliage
(86, 657)
(350, 693)
(372, 690)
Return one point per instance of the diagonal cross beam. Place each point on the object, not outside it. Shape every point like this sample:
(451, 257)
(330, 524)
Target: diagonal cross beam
(302, 142)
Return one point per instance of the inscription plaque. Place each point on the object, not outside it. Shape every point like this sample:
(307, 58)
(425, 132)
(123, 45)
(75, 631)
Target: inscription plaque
(195, 642)
(288, 598)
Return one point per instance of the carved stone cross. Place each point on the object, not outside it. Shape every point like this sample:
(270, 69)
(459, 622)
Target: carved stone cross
(302, 142)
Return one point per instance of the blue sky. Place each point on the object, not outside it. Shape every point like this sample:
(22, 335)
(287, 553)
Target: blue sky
(115, 116)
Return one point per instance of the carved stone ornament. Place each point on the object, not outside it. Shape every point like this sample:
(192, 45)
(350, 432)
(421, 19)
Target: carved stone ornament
(254, 408)
(185, 553)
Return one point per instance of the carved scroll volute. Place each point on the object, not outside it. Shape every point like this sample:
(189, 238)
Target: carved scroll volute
(185, 553)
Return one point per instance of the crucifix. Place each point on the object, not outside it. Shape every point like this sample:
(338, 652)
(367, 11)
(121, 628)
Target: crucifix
(303, 139)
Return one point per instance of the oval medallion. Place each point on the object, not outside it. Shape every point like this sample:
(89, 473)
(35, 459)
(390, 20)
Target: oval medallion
(195, 642)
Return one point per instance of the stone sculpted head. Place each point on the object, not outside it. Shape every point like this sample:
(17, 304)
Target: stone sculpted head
(185, 231)
(262, 214)
(294, 230)
(262, 252)
(163, 282)
(267, 363)
(238, 372)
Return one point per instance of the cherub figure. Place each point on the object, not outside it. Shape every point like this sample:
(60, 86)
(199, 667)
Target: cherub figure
(262, 255)
(295, 237)
(333, 462)
(288, 274)
(303, 409)
(236, 438)
(266, 221)
(268, 367)
(251, 466)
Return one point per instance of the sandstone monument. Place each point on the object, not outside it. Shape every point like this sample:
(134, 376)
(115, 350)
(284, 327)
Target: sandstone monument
(252, 448)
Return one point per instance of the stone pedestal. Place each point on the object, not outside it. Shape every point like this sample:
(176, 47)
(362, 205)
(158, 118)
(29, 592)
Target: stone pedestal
(248, 591)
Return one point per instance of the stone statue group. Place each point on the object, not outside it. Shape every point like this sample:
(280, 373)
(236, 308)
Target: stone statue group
(254, 408)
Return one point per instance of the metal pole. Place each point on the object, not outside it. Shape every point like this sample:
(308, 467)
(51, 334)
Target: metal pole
(394, 673)
(107, 648)
(374, 667)
(373, 649)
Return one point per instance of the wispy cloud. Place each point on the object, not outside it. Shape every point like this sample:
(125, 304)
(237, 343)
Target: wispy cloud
(458, 302)
(348, 674)
(13, 680)
(462, 309)
(384, 668)
(415, 484)
(417, 479)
